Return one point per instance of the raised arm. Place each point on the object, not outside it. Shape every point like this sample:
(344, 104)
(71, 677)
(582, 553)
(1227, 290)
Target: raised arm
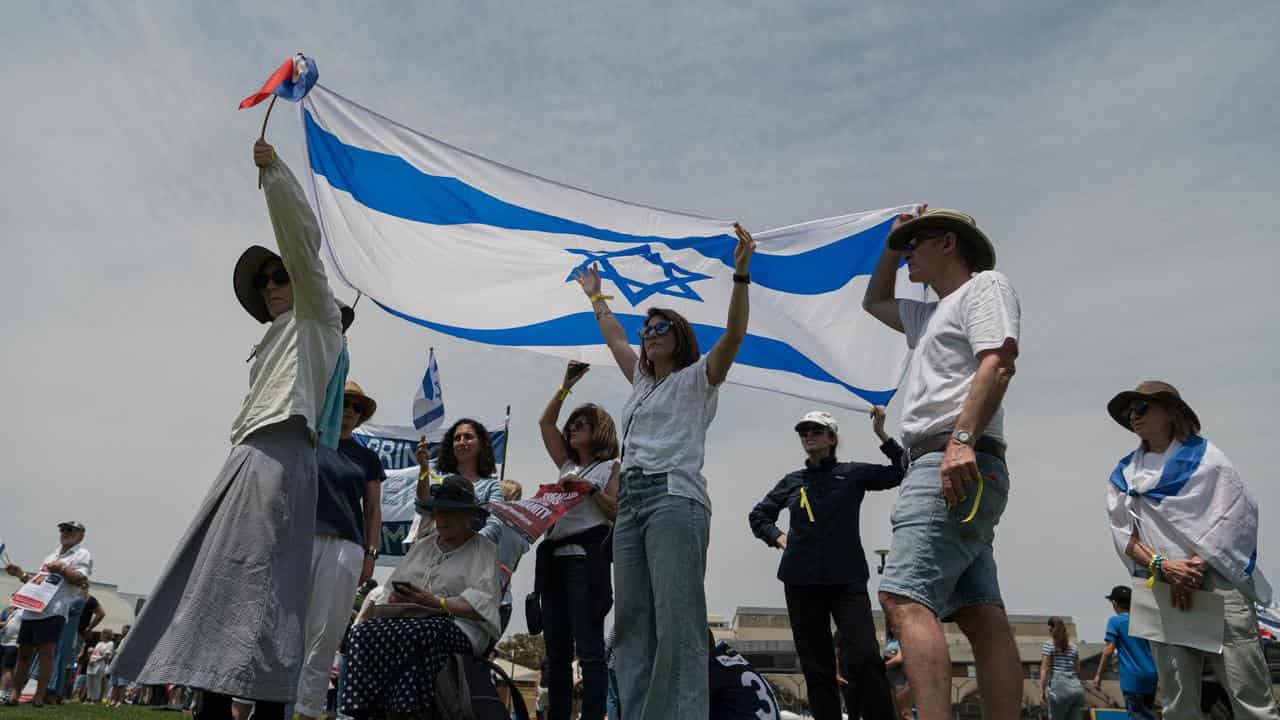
(881, 298)
(720, 359)
(552, 439)
(614, 336)
(884, 477)
(297, 235)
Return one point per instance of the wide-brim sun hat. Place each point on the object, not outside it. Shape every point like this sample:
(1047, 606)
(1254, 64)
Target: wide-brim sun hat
(962, 224)
(1150, 390)
(453, 493)
(365, 405)
(247, 268)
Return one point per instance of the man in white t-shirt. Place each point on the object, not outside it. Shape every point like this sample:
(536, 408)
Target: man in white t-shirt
(68, 568)
(940, 565)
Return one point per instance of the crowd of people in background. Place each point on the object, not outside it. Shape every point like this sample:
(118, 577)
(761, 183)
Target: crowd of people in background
(256, 602)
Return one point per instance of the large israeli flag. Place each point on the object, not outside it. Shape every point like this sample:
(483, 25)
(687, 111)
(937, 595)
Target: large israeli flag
(481, 251)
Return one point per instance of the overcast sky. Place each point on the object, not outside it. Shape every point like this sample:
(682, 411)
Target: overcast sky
(1122, 159)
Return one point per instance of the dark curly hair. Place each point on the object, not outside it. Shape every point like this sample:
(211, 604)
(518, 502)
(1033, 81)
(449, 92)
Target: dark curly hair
(486, 463)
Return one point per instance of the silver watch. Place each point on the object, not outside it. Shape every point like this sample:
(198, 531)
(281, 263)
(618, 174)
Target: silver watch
(964, 438)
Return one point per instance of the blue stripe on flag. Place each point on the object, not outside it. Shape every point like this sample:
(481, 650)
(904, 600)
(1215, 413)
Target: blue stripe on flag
(581, 329)
(428, 417)
(388, 184)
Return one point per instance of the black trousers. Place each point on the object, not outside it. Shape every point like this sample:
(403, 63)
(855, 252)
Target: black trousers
(812, 608)
(569, 629)
(216, 706)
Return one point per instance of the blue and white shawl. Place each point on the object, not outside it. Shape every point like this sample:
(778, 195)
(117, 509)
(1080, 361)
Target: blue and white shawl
(1196, 505)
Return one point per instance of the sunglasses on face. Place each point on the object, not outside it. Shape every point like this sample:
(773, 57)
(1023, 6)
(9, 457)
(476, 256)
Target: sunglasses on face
(351, 405)
(1139, 409)
(579, 424)
(657, 329)
(810, 430)
(279, 276)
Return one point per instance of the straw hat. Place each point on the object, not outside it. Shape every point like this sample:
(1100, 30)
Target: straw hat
(1153, 390)
(365, 405)
(963, 225)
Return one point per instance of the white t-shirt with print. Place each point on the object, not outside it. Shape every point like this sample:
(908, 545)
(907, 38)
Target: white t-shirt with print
(945, 338)
(586, 514)
(75, 558)
(664, 427)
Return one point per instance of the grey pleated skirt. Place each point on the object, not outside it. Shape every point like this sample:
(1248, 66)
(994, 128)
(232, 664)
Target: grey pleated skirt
(229, 612)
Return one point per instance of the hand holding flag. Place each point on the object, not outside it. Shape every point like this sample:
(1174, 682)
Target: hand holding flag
(292, 81)
(428, 401)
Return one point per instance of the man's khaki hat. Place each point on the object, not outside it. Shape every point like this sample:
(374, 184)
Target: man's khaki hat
(963, 225)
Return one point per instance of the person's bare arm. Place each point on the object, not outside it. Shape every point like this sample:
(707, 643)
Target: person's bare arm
(960, 462)
(1044, 674)
(607, 498)
(552, 440)
(1107, 650)
(880, 298)
(372, 526)
(721, 356)
(614, 336)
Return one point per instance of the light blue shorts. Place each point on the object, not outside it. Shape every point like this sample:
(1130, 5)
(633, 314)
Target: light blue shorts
(942, 557)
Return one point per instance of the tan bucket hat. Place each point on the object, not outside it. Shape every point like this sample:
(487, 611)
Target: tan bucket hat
(1156, 390)
(963, 225)
(366, 405)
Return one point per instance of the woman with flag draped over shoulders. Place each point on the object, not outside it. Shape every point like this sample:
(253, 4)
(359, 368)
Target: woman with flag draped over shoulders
(1181, 515)
(229, 611)
(664, 511)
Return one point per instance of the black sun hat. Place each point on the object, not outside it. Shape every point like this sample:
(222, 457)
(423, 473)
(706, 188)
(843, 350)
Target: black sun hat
(453, 493)
(247, 268)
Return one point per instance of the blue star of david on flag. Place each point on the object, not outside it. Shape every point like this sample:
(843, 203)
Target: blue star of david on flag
(677, 283)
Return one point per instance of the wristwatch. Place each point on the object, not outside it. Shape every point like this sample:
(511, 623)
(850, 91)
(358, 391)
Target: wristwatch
(371, 552)
(964, 438)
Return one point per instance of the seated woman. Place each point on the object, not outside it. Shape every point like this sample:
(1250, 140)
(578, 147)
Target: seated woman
(444, 600)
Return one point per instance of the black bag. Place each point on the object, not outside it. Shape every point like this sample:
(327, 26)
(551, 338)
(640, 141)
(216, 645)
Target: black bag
(533, 613)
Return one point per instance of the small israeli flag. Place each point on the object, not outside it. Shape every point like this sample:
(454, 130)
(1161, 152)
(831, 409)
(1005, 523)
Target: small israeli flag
(428, 403)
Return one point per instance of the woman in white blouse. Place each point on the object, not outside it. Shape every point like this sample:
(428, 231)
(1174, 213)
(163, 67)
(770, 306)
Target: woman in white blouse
(572, 573)
(664, 511)
(444, 601)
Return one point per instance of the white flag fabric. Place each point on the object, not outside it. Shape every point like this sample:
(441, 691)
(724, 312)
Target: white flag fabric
(428, 402)
(474, 249)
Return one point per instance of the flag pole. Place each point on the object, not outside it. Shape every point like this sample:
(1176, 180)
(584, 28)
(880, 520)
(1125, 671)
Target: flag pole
(263, 135)
(506, 444)
(423, 471)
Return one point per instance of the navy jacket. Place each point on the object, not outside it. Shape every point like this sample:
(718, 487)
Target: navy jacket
(828, 549)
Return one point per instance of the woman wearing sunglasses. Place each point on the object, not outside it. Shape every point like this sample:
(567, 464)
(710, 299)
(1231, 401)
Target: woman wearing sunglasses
(664, 511)
(572, 572)
(824, 569)
(1184, 524)
(228, 614)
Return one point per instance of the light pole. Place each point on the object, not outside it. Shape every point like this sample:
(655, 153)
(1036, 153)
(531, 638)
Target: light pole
(883, 554)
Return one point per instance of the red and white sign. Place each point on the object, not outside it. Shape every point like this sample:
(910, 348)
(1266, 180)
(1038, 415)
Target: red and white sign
(38, 591)
(534, 516)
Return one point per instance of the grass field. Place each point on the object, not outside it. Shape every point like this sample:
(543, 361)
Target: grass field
(75, 711)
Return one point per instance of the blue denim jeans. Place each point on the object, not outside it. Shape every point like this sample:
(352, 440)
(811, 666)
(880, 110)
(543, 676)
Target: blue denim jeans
(65, 652)
(942, 557)
(660, 610)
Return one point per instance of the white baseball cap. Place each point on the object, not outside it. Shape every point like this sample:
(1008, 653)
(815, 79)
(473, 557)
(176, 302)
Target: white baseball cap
(819, 417)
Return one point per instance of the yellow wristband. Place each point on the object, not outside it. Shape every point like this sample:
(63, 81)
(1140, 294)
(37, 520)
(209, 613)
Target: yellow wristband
(444, 607)
(563, 392)
(600, 296)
